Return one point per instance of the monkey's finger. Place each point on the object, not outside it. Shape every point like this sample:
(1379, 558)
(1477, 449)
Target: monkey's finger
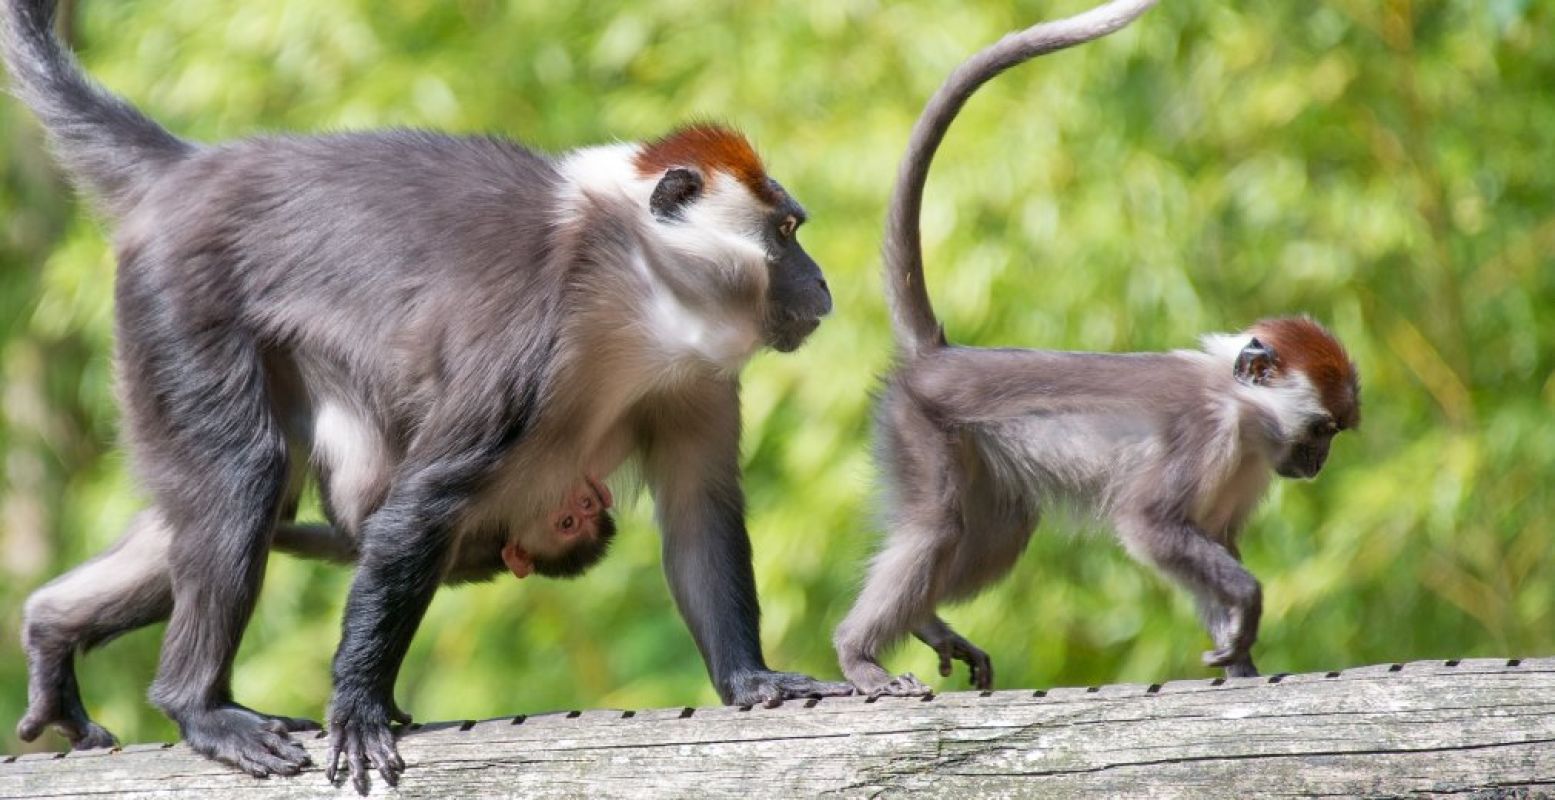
(944, 664)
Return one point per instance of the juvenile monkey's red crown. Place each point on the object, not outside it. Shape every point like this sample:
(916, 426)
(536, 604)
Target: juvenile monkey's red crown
(1302, 345)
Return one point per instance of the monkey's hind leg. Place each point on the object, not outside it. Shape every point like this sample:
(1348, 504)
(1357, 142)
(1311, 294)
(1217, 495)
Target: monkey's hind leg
(998, 526)
(905, 580)
(209, 445)
(122, 589)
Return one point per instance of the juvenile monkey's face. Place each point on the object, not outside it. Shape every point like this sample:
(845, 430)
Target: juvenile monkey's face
(1309, 384)
(1305, 456)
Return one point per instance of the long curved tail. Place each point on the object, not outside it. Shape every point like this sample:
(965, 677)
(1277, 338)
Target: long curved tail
(111, 149)
(912, 315)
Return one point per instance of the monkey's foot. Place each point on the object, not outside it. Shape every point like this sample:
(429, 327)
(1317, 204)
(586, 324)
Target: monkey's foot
(764, 687)
(290, 724)
(253, 742)
(1238, 663)
(958, 649)
(359, 732)
(78, 729)
(903, 685)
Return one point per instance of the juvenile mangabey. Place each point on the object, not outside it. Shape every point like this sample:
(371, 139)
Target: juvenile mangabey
(450, 329)
(1173, 448)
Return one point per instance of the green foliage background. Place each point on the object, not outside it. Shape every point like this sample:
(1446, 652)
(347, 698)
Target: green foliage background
(1382, 164)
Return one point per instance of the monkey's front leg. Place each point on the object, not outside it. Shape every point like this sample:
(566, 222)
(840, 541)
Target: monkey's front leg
(1229, 597)
(707, 559)
(694, 472)
(405, 548)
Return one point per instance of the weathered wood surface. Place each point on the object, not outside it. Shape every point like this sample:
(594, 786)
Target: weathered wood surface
(1480, 727)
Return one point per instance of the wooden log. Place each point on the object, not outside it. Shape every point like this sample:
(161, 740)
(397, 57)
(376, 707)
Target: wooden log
(1479, 728)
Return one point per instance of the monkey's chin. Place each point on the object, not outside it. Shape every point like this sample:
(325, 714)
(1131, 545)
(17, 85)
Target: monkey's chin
(788, 338)
(1300, 472)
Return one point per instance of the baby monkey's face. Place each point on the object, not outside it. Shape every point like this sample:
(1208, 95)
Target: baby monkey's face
(574, 537)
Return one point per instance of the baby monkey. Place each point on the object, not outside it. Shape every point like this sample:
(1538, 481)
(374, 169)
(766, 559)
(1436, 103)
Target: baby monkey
(562, 543)
(1174, 449)
(578, 534)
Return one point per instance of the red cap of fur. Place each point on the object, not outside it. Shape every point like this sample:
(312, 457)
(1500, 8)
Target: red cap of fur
(710, 148)
(1303, 345)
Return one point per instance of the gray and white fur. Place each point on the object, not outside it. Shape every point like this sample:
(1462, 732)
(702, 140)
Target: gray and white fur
(1174, 449)
(446, 332)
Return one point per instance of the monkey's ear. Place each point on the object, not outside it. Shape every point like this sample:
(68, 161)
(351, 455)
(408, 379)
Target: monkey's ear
(676, 190)
(518, 560)
(1255, 364)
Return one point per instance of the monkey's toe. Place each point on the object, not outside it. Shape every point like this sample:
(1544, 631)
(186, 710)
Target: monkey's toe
(903, 685)
(768, 687)
(80, 730)
(281, 724)
(31, 726)
(94, 737)
(977, 661)
(248, 740)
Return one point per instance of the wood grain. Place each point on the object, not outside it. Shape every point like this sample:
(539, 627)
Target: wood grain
(1477, 728)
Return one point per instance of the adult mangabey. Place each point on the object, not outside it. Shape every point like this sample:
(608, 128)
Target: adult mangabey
(1173, 448)
(451, 329)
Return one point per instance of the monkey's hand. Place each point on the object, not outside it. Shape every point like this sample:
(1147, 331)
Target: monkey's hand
(359, 730)
(765, 687)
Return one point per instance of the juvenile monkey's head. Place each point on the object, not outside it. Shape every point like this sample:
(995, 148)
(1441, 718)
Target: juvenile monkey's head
(713, 201)
(1312, 389)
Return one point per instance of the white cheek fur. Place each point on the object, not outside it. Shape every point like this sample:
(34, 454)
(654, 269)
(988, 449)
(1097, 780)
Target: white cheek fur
(694, 262)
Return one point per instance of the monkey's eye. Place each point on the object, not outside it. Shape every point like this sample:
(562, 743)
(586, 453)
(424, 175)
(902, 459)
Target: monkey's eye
(787, 226)
(567, 523)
